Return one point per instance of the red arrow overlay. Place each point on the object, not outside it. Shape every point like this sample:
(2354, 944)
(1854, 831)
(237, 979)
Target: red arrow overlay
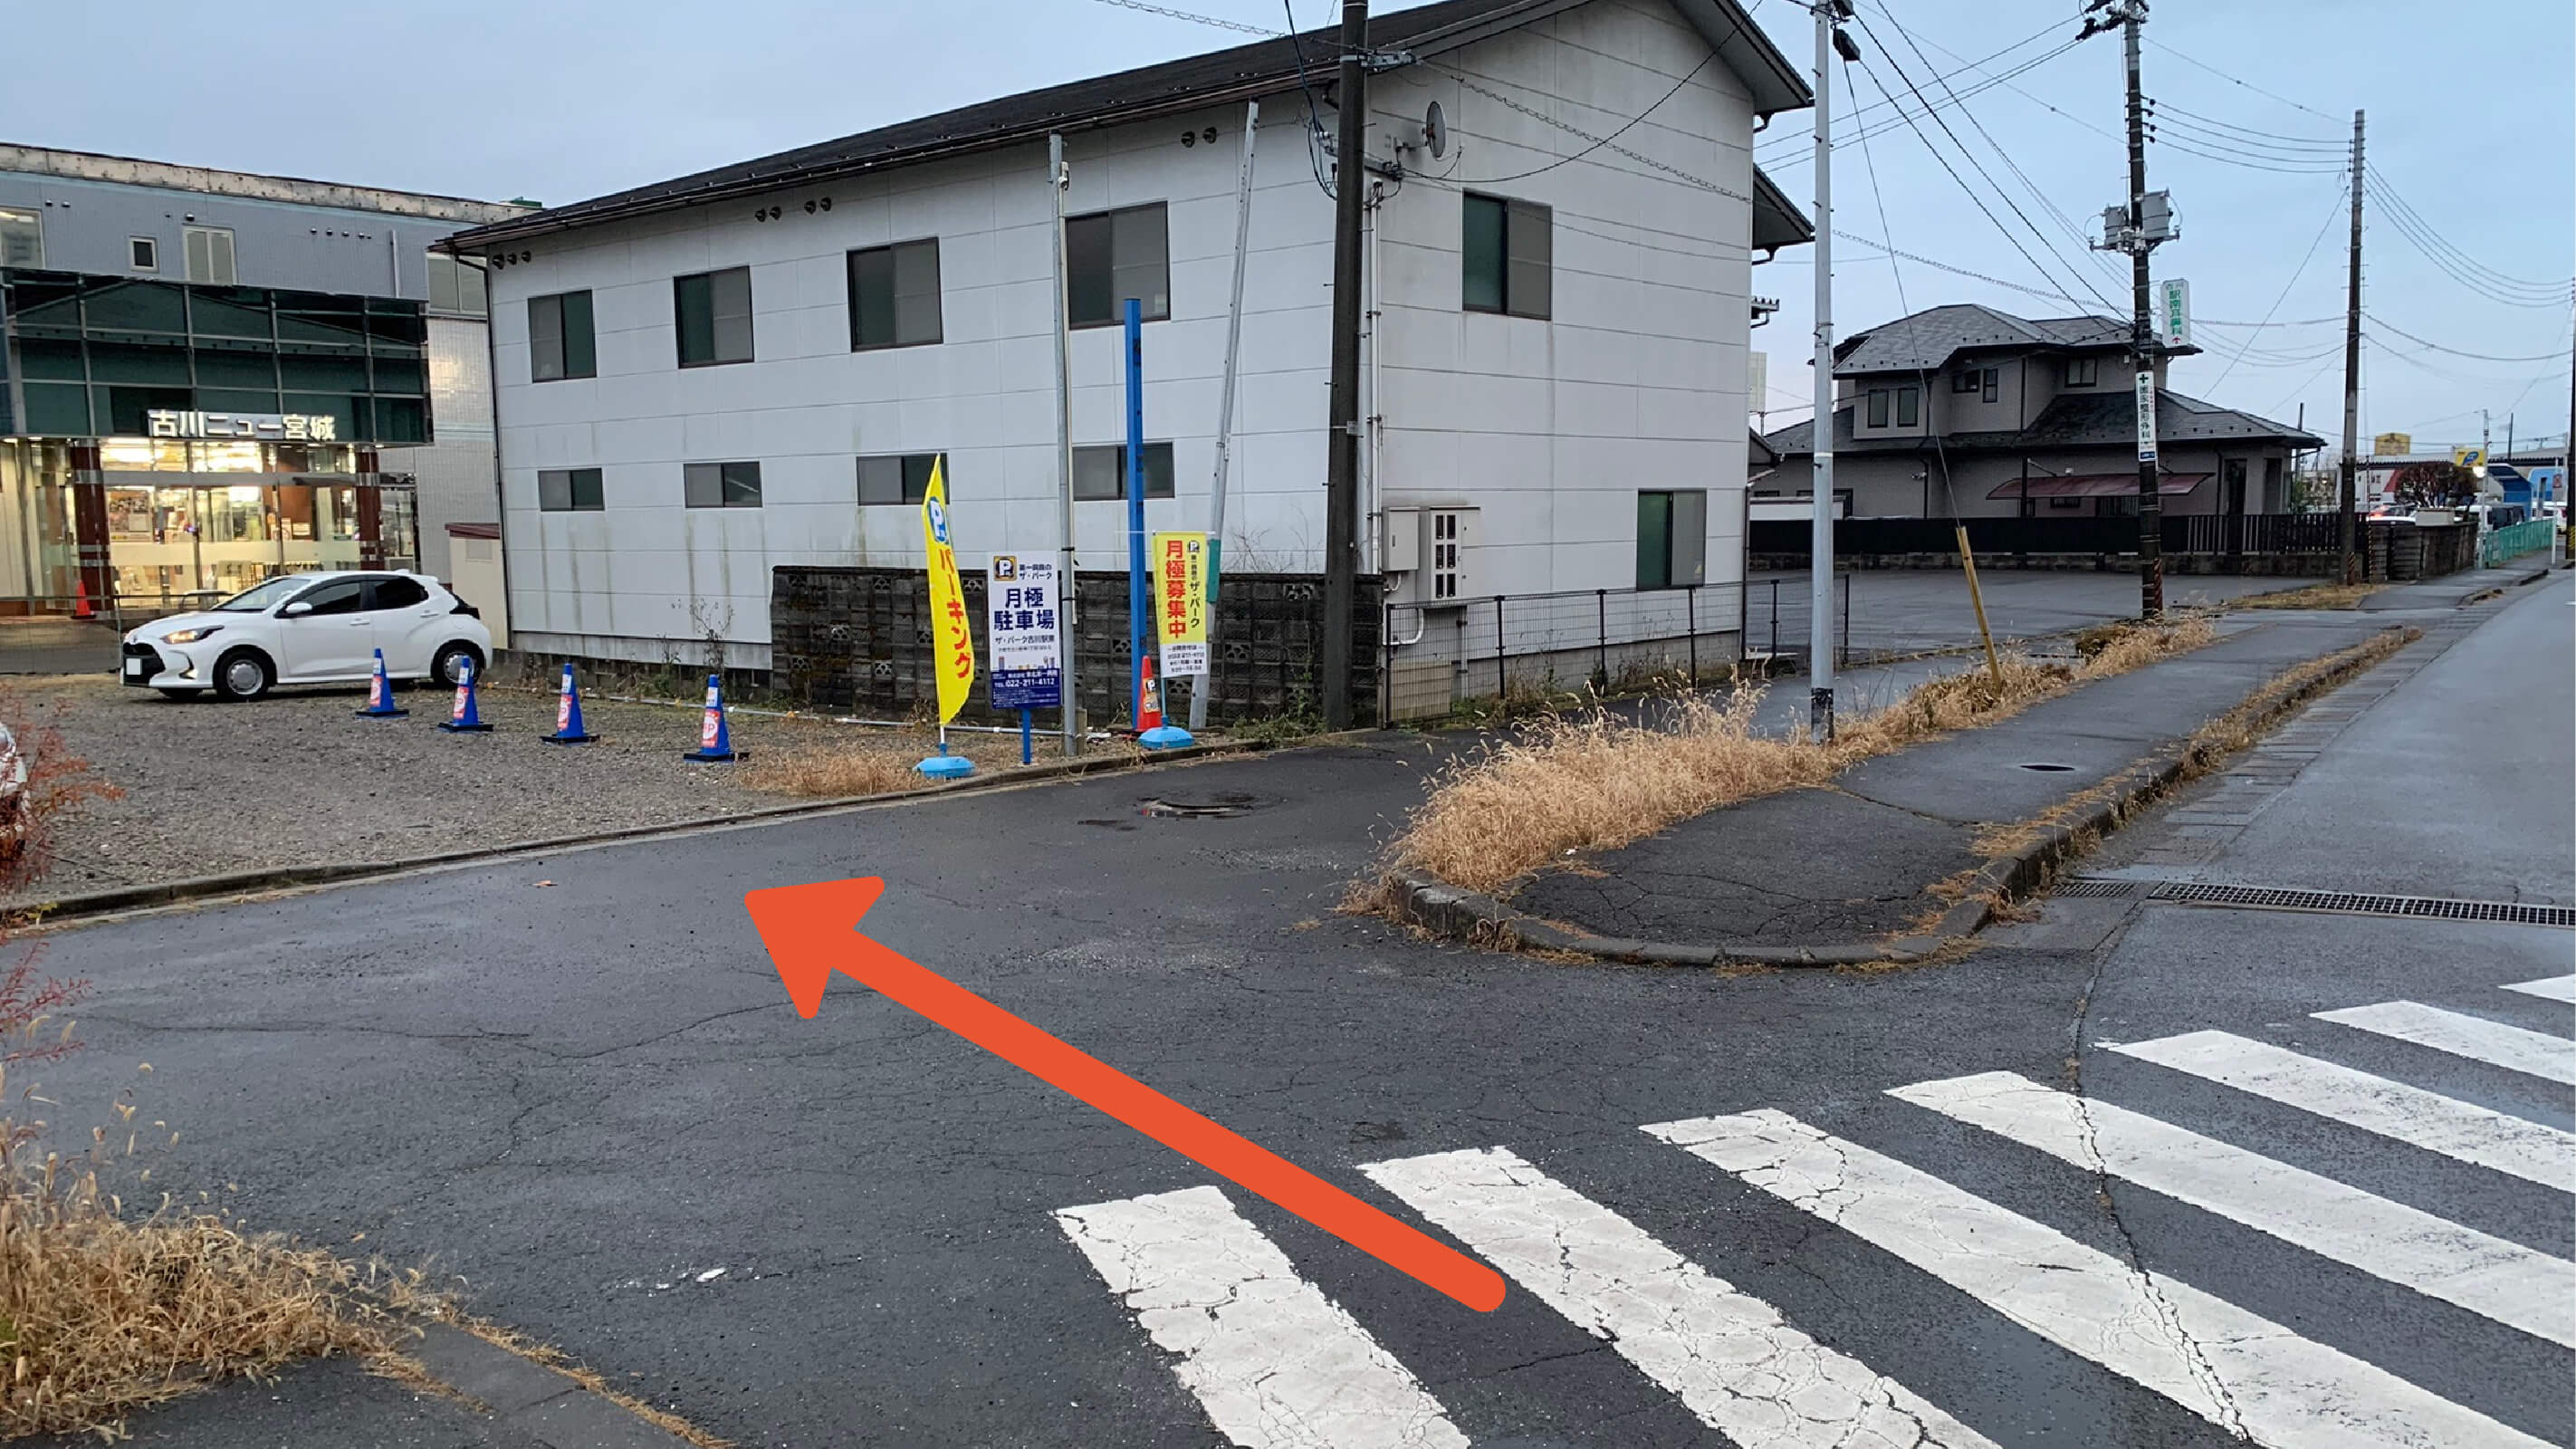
(811, 932)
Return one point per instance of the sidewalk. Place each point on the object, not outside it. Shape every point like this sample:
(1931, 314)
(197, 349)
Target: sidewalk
(2452, 591)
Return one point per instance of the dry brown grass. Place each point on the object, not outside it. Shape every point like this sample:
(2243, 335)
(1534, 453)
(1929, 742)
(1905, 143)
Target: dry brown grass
(1569, 785)
(2314, 596)
(825, 772)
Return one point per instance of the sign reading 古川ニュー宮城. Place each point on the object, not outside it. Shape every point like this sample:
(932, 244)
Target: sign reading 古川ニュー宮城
(1180, 601)
(262, 427)
(1023, 630)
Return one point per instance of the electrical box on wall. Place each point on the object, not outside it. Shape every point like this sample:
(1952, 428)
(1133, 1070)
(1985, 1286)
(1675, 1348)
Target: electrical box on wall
(1430, 552)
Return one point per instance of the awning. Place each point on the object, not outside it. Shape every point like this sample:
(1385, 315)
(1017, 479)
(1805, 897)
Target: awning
(2096, 485)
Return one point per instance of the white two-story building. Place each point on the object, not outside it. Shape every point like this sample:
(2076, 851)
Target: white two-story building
(707, 378)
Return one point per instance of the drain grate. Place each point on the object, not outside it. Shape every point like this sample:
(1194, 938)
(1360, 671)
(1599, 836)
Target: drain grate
(2097, 888)
(2352, 903)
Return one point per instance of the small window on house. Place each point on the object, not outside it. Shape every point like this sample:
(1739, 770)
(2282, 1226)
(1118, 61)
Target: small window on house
(1964, 380)
(1110, 256)
(570, 490)
(894, 295)
(1672, 538)
(143, 254)
(2064, 502)
(721, 485)
(22, 238)
(1994, 381)
(2083, 371)
(713, 310)
(1909, 406)
(1506, 257)
(210, 254)
(561, 343)
(456, 286)
(1878, 407)
(1101, 473)
(896, 478)
(1446, 541)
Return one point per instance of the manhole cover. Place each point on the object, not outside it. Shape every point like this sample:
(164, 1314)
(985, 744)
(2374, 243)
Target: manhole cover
(2048, 769)
(1214, 804)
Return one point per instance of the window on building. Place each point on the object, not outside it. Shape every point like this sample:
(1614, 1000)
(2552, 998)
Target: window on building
(2059, 502)
(1878, 407)
(1101, 472)
(714, 313)
(1909, 406)
(721, 485)
(143, 254)
(22, 238)
(1506, 257)
(894, 295)
(1979, 380)
(1110, 256)
(210, 254)
(574, 490)
(456, 285)
(561, 343)
(897, 478)
(2083, 371)
(1672, 538)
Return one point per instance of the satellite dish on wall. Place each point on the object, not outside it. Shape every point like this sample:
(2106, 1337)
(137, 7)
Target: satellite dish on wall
(1435, 131)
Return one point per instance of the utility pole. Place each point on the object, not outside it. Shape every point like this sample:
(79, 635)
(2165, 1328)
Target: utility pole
(2345, 499)
(1830, 40)
(2151, 507)
(1342, 446)
(1058, 178)
(1199, 688)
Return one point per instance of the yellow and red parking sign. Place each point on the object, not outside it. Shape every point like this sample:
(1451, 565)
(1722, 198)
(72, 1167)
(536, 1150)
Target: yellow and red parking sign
(952, 642)
(1181, 602)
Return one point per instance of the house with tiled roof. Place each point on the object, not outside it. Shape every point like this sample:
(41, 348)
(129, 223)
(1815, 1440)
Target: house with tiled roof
(1963, 409)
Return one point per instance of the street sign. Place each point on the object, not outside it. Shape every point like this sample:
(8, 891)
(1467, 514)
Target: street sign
(2392, 445)
(1023, 629)
(1181, 604)
(2173, 312)
(2472, 459)
(2147, 416)
(952, 646)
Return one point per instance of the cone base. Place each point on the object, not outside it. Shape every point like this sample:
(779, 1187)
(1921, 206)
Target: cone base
(567, 739)
(453, 728)
(713, 757)
(380, 713)
(1165, 737)
(946, 767)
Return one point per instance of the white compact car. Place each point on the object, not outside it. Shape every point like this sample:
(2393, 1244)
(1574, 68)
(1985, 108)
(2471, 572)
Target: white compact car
(309, 629)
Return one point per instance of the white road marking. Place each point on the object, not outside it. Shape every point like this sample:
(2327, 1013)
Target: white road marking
(2534, 1151)
(1276, 1364)
(2536, 1053)
(2514, 1285)
(1728, 1355)
(2234, 1368)
(2553, 988)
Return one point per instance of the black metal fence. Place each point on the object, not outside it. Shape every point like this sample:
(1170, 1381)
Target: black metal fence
(2184, 533)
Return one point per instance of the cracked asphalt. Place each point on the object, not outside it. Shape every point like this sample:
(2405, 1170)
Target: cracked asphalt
(576, 1082)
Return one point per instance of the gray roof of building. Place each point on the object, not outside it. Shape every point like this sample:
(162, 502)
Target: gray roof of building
(1245, 72)
(1928, 339)
(2091, 420)
(205, 180)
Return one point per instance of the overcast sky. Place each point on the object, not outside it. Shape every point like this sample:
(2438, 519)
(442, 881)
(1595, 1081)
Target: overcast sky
(2470, 122)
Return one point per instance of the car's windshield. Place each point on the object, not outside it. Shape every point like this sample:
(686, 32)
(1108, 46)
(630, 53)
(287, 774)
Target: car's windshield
(262, 597)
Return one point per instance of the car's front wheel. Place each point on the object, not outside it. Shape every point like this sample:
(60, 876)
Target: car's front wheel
(446, 667)
(243, 674)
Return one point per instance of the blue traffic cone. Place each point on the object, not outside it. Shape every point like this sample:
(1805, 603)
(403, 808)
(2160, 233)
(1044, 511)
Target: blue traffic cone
(568, 730)
(715, 741)
(380, 694)
(462, 718)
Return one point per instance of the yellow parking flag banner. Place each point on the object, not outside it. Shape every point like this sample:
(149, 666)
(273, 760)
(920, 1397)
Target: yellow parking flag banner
(952, 644)
(1180, 601)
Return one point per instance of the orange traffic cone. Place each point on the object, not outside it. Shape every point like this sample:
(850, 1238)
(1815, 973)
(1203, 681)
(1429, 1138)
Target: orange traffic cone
(80, 599)
(1149, 699)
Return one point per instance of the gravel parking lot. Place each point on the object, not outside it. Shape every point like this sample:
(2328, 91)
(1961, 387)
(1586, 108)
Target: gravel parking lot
(296, 778)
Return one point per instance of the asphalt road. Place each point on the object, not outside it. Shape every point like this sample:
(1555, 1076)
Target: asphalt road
(1909, 611)
(577, 1083)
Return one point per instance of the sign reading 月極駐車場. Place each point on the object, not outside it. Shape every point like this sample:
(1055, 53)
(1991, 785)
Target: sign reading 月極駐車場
(1023, 630)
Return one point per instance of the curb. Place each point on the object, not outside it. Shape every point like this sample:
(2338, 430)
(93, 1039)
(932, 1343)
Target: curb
(85, 904)
(1481, 920)
(535, 1403)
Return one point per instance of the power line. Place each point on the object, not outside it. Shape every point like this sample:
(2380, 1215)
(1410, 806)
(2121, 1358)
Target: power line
(2249, 85)
(2167, 109)
(2400, 208)
(1235, 25)
(2342, 194)
(2375, 321)
(1788, 148)
(1464, 78)
(1624, 128)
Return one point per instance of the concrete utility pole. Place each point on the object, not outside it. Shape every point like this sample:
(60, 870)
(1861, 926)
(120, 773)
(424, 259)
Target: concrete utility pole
(1058, 178)
(1820, 536)
(1342, 446)
(2346, 496)
(2151, 507)
(1225, 412)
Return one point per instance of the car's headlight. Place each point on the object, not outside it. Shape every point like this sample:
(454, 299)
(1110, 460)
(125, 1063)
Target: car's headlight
(191, 636)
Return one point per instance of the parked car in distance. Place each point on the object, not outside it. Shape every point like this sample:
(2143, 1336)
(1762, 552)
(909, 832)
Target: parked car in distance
(319, 628)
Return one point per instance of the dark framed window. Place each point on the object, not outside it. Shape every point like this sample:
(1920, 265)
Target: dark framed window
(2083, 371)
(1994, 384)
(894, 295)
(395, 593)
(1964, 380)
(1506, 253)
(1878, 407)
(1983, 381)
(143, 254)
(720, 485)
(1101, 472)
(2062, 502)
(561, 342)
(570, 490)
(1110, 256)
(1672, 538)
(1909, 406)
(896, 477)
(713, 310)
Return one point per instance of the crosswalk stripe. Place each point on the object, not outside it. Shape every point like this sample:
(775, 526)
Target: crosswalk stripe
(2234, 1368)
(2535, 1053)
(1728, 1355)
(2552, 988)
(1276, 1364)
(2464, 1131)
(2507, 1282)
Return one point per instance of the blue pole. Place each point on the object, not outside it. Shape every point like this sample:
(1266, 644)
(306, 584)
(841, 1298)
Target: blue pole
(1025, 742)
(1137, 607)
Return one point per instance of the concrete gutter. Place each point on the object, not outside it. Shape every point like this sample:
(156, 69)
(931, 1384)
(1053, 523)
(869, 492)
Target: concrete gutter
(1481, 920)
